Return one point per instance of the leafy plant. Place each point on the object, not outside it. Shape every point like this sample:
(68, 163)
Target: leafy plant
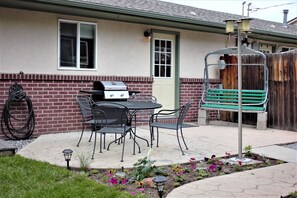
(179, 178)
(177, 169)
(202, 174)
(237, 167)
(160, 171)
(144, 168)
(293, 194)
(247, 151)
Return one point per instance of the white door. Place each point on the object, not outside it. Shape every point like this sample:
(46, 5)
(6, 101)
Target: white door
(164, 69)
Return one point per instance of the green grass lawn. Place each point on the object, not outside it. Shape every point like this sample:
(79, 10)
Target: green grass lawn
(21, 177)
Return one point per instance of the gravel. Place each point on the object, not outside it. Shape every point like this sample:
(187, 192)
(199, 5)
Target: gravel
(19, 144)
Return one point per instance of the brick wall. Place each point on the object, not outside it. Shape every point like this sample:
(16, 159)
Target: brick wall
(53, 97)
(191, 89)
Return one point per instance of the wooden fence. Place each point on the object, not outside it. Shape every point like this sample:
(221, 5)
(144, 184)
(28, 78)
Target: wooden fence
(282, 91)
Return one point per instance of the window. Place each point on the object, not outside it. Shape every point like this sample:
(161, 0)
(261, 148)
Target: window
(77, 45)
(162, 58)
(285, 49)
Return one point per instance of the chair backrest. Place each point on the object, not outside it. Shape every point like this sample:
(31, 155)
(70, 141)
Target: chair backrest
(183, 112)
(85, 104)
(111, 115)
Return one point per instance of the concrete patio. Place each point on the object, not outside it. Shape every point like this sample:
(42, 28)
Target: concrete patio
(202, 141)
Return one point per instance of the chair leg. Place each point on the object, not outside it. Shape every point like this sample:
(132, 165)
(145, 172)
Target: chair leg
(93, 130)
(122, 159)
(94, 145)
(182, 135)
(152, 133)
(82, 132)
(135, 142)
(157, 137)
(114, 141)
(179, 142)
(101, 142)
(91, 135)
(104, 135)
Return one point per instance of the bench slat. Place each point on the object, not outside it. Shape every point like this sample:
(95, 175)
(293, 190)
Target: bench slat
(235, 90)
(227, 99)
(233, 107)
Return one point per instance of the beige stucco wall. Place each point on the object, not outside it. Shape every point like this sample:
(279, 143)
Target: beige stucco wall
(29, 43)
(193, 48)
(28, 40)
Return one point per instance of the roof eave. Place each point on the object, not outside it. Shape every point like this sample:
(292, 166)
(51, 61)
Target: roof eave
(102, 11)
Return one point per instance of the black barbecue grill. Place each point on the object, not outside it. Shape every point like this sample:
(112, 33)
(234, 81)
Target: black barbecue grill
(109, 91)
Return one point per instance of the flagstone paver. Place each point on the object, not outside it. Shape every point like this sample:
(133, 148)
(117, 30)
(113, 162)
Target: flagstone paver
(262, 182)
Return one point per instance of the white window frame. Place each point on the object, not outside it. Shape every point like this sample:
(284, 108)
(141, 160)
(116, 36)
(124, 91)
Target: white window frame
(78, 23)
(171, 53)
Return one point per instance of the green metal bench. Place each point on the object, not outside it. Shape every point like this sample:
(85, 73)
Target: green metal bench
(219, 99)
(253, 101)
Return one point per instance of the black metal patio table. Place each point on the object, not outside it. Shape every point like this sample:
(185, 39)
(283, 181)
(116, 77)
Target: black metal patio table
(134, 107)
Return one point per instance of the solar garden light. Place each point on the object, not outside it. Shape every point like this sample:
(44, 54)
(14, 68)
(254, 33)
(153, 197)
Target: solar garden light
(160, 183)
(67, 155)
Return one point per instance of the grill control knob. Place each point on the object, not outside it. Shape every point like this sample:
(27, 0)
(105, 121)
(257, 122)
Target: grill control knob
(122, 95)
(111, 95)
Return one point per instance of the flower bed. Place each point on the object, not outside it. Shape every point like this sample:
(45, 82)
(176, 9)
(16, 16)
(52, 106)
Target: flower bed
(139, 180)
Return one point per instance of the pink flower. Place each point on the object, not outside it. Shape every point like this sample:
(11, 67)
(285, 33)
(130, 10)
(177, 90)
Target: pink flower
(181, 172)
(113, 181)
(140, 189)
(220, 163)
(212, 167)
(124, 181)
(192, 159)
(240, 163)
(132, 193)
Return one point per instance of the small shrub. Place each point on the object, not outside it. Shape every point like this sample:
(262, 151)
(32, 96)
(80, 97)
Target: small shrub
(143, 168)
(237, 167)
(247, 151)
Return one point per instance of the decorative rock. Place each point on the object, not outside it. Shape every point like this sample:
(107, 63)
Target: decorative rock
(120, 174)
(226, 170)
(149, 182)
(131, 180)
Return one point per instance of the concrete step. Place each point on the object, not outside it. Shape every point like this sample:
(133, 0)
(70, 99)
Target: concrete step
(6, 148)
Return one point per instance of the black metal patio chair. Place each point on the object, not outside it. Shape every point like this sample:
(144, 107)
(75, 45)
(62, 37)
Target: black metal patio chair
(86, 105)
(157, 120)
(112, 119)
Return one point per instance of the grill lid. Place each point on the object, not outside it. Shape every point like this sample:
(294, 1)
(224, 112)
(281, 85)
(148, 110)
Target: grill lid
(111, 85)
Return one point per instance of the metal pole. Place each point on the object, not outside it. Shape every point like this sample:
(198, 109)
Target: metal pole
(243, 8)
(248, 10)
(68, 167)
(239, 94)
